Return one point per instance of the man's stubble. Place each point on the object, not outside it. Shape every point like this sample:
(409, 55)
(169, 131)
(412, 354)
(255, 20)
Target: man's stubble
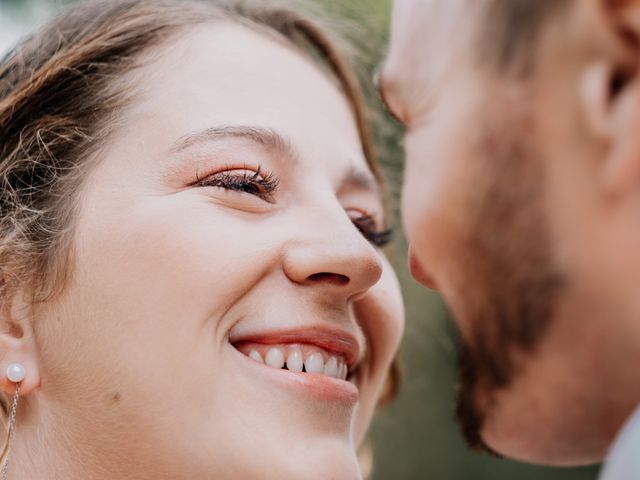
(507, 284)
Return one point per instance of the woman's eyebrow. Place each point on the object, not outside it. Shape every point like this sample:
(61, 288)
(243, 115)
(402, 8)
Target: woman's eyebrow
(274, 141)
(264, 137)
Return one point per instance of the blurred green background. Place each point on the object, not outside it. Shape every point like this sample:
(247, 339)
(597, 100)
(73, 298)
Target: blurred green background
(416, 437)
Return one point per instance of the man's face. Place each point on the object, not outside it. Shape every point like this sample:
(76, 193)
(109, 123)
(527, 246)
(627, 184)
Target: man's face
(507, 234)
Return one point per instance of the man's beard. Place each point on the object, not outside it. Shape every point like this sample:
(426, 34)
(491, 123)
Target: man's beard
(507, 284)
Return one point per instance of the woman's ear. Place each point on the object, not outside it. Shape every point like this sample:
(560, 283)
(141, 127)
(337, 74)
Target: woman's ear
(17, 344)
(610, 90)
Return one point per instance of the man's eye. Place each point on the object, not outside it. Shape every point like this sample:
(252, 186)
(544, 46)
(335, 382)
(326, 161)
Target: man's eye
(253, 182)
(367, 226)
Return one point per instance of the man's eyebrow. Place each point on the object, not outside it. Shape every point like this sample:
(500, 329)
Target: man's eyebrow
(382, 85)
(265, 137)
(361, 179)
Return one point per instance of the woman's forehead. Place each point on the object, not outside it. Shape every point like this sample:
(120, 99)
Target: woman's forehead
(226, 74)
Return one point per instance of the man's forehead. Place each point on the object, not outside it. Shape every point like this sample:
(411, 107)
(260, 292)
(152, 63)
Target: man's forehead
(426, 36)
(408, 13)
(417, 24)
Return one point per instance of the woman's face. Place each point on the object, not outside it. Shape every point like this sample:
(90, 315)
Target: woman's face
(230, 220)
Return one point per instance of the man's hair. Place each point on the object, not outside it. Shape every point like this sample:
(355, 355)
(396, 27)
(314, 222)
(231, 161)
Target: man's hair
(510, 30)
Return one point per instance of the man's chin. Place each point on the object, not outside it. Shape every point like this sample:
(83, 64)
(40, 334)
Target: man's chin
(530, 447)
(514, 426)
(503, 428)
(470, 415)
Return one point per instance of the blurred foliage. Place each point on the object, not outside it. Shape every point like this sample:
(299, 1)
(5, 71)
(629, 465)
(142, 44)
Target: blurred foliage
(416, 437)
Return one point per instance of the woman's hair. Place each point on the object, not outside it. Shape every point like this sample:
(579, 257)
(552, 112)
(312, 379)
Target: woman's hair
(61, 93)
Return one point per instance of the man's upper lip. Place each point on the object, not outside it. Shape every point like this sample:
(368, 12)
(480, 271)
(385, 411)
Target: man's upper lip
(331, 339)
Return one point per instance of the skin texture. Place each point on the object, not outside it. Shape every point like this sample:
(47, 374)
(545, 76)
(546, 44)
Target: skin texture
(131, 373)
(521, 203)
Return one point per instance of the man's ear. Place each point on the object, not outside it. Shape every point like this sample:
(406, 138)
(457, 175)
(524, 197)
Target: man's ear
(17, 344)
(610, 89)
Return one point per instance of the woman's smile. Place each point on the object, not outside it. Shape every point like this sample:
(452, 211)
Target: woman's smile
(319, 361)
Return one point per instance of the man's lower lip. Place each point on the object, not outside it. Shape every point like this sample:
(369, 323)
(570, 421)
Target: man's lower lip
(318, 386)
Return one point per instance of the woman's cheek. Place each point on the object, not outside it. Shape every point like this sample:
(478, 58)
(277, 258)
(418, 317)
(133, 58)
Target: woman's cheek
(381, 316)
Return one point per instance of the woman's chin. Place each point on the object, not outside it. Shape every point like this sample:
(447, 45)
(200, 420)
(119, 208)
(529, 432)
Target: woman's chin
(315, 457)
(262, 422)
(319, 460)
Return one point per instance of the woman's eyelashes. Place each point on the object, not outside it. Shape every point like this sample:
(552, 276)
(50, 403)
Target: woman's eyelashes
(263, 186)
(253, 182)
(367, 226)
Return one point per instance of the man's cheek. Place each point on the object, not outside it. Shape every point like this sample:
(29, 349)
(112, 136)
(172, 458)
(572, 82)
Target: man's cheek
(417, 218)
(412, 207)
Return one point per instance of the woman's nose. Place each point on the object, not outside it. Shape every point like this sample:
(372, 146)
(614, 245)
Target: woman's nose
(333, 256)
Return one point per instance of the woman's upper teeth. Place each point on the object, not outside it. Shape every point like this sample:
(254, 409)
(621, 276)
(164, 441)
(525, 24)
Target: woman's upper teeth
(298, 359)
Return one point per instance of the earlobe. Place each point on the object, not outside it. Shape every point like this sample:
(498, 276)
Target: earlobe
(29, 382)
(17, 347)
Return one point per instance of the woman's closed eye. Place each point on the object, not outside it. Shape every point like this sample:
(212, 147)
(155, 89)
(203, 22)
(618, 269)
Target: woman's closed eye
(243, 180)
(366, 224)
(263, 186)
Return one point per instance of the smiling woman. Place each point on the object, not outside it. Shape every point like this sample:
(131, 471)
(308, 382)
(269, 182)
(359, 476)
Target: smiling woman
(192, 281)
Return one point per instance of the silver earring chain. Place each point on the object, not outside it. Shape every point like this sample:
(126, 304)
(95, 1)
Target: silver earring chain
(12, 427)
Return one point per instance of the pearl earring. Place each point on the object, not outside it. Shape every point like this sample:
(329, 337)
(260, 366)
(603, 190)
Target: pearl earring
(15, 373)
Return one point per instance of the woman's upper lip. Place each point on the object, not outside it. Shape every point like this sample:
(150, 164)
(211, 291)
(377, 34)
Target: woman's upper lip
(329, 338)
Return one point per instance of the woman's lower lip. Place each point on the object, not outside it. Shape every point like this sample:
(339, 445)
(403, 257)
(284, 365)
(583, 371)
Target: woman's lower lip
(316, 385)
